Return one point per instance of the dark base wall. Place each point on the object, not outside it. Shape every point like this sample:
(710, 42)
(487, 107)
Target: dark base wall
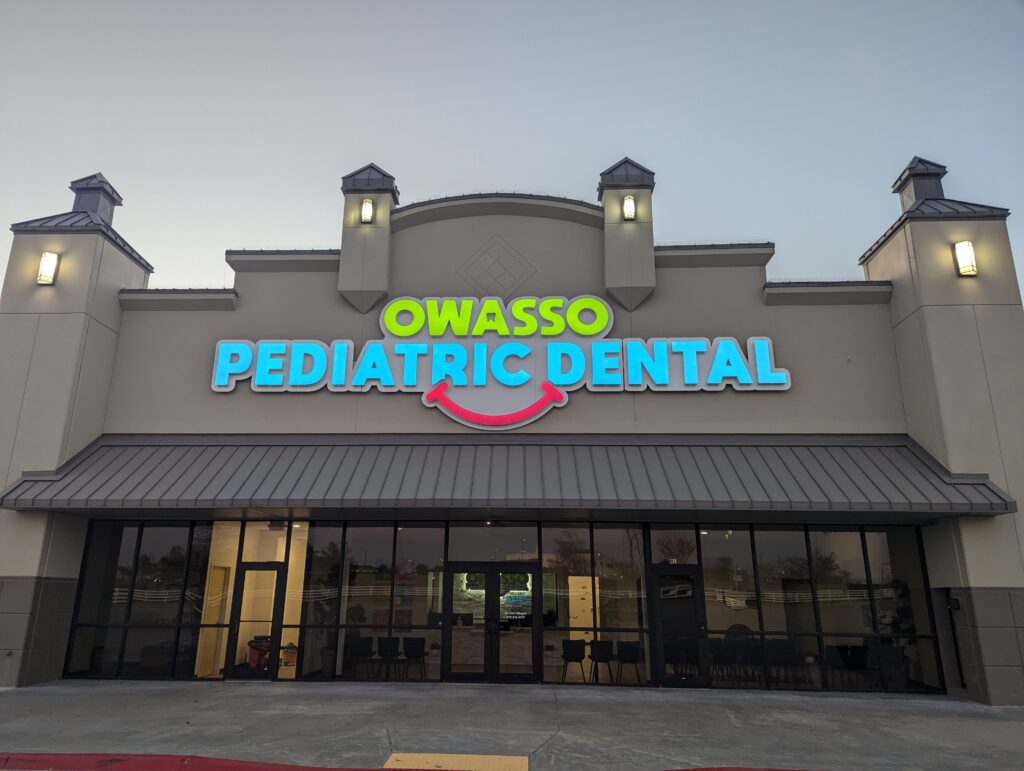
(989, 626)
(35, 618)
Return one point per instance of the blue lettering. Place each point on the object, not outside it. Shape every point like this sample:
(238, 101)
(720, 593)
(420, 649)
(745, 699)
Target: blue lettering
(269, 371)
(410, 353)
(448, 360)
(373, 365)
(689, 349)
(232, 361)
(767, 375)
(303, 352)
(501, 373)
(557, 374)
(729, 362)
(606, 362)
(640, 360)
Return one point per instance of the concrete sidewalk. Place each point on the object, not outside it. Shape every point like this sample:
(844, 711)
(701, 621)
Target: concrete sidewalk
(558, 727)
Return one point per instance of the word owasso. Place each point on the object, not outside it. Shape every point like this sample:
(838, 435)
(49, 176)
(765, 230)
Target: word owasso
(479, 343)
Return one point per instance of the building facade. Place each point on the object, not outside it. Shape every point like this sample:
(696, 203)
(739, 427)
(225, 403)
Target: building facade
(508, 437)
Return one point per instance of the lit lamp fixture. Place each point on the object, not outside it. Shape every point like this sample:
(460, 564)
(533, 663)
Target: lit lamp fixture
(629, 208)
(366, 214)
(47, 269)
(965, 262)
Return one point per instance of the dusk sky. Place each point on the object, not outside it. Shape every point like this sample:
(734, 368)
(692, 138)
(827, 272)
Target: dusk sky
(230, 124)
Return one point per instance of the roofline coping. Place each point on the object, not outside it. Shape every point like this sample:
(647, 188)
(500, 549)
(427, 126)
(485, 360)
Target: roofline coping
(481, 204)
(910, 216)
(827, 292)
(714, 255)
(283, 260)
(178, 299)
(111, 235)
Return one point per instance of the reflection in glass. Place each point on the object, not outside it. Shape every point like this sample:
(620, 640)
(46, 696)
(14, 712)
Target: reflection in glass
(736, 660)
(293, 593)
(185, 656)
(148, 653)
(673, 544)
(568, 589)
(680, 627)
(419, 576)
(95, 652)
(107, 575)
(195, 578)
(492, 543)
(367, 591)
(898, 581)
(840, 581)
(850, 663)
(159, 576)
(515, 617)
(264, 541)
(629, 657)
(785, 580)
(730, 596)
(317, 649)
(619, 573)
(468, 640)
(791, 662)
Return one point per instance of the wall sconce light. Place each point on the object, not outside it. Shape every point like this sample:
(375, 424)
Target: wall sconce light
(48, 262)
(629, 208)
(963, 252)
(366, 213)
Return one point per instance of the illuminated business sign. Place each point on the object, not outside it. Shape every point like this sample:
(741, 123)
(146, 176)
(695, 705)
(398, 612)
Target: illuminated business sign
(496, 365)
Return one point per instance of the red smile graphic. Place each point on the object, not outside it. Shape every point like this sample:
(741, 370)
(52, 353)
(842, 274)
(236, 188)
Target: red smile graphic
(437, 395)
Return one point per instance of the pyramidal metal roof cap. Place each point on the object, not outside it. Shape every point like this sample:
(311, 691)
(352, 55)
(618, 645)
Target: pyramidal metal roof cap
(918, 167)
(370, 178)
(96, 182)
(625, 173)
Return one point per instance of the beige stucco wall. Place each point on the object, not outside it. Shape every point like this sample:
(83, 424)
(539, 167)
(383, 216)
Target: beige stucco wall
(842, 358)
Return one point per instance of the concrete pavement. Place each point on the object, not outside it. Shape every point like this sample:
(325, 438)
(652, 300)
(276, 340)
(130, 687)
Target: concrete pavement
(558, 727)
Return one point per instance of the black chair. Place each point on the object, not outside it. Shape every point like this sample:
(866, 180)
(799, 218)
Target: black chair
(630, 652)
(388, 649)
(415, 651)
(601, 653)
(835, 667)
(359, 650)
(573, 652)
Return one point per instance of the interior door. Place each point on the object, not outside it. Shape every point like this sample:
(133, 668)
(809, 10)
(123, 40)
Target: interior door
(682, 656)
(255, 640)
(492, 622)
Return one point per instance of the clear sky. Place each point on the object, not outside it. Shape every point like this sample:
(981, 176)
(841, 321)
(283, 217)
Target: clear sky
(230, 124)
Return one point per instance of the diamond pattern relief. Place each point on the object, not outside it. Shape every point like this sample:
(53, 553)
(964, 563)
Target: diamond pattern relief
(497, 270)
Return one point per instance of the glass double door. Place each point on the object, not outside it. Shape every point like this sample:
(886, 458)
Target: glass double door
(682, 658)
(492, 622)
(254, 642)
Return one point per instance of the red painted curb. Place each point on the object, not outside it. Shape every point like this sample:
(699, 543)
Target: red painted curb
(49, 761)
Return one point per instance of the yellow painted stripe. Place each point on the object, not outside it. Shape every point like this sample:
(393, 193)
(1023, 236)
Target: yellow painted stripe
(434, 760)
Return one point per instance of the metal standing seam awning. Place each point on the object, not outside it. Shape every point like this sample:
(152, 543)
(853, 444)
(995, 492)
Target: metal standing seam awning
(795, 473)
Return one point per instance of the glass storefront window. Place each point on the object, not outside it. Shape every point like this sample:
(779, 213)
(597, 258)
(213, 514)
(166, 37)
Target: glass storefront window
(673, 544)
(420, 657)
(293, 595)
(367, 591)
(619, 576)
(730, 595)
(568, 588)
(792, 662)
(220, 573)
(148, 653)
(419, 576)
(195, 577)
(95, 652)
(321, 577)
(107, 575)
(264, 541)
(785, 580)
(159, 576)
(840, 581)
(897, 580)
(736, 660)
(491, 542)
